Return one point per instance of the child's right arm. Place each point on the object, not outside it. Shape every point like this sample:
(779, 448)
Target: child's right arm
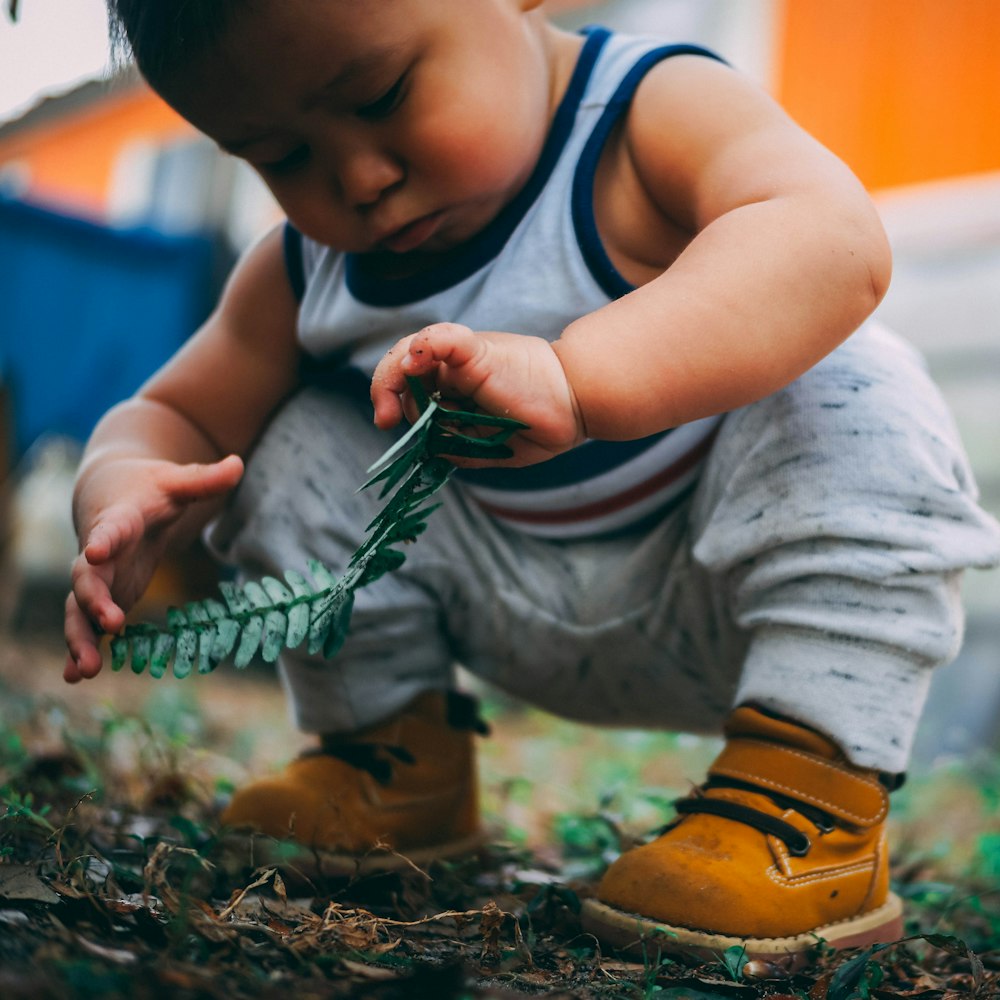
(155, 461)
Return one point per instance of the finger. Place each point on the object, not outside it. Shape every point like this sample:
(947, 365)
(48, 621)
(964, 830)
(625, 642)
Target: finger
(84, 659)
(198, 481)
(117, 528)
(453, 355)
(389, 385)
(92, 595)
(71, 672)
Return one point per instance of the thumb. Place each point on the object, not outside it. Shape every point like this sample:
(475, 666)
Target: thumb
(198, 481)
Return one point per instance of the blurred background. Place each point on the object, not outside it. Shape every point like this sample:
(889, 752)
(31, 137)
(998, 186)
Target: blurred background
(118, 224)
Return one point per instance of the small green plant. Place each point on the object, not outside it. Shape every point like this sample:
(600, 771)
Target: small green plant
(20, 807)
(733, 960)
(263, 618)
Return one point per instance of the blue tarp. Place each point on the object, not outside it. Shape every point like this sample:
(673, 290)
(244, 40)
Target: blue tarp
(87, 313)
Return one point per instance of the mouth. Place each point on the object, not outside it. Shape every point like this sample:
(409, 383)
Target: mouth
(412, 235)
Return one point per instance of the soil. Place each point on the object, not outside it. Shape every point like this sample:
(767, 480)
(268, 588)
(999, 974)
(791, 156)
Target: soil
(113, 880)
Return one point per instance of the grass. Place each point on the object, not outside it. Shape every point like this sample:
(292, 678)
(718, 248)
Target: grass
(113, 880)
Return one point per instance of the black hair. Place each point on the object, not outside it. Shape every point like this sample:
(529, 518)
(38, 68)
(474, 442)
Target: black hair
(164, 37)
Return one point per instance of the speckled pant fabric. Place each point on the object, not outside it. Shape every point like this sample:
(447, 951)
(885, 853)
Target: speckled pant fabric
(814, 570)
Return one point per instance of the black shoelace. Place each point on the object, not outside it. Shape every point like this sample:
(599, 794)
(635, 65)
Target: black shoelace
(795, 840)
(379, 759)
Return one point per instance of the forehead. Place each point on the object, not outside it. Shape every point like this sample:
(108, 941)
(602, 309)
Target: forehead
(277, 47)
(336, 30)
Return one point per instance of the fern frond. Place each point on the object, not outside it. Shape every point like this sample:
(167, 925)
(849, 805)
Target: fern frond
(262, 618)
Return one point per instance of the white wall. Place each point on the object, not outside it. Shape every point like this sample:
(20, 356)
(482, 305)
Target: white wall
(741, 31)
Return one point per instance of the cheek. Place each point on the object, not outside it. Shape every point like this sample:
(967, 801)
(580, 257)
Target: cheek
(314, 214)
(481, 149)
(293, 201)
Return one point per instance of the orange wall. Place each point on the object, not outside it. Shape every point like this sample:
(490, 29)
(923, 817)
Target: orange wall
(70, 160)
(903, 90)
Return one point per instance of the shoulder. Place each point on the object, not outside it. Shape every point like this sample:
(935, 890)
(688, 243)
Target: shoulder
(258, 303)
(704, 138)
(689, 110)
(263, 271)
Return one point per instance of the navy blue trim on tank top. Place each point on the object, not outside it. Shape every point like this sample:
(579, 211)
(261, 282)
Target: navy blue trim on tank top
(367, 285)
(291, 241)
(584, 223)
(590, 459)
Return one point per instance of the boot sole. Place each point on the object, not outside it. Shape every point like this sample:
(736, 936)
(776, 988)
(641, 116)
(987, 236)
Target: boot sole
(256, 850)
(635, 935)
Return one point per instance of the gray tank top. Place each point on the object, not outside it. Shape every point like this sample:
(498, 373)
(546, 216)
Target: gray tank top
(535, 269)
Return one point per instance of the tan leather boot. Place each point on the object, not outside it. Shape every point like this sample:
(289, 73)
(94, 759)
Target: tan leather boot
(783, 846)
(398, 792)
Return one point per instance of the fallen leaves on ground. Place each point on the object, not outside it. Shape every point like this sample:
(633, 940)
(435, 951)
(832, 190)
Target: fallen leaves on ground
(114, 882)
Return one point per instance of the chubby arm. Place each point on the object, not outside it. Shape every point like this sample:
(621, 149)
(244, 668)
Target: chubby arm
(155, 463)
(786, 257)
(756, 252)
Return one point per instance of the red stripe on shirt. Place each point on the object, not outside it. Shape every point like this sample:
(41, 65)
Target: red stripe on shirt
(617, 502)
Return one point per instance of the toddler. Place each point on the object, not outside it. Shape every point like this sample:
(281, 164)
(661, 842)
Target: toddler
(739, 504)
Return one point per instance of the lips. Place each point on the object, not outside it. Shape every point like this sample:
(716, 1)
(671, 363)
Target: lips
(413, 234)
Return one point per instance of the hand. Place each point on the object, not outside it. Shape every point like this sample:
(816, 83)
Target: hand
(124, 541)
(504, 374)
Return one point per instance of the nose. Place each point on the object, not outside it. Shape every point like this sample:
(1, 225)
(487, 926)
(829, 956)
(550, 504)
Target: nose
(366, 174)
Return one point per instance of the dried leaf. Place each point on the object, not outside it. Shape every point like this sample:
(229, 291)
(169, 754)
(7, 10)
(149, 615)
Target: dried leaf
(118, 956)
(23, 882)
(373, 972)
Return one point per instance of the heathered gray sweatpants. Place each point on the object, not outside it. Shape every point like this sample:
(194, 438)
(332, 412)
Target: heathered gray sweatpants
(814, 570)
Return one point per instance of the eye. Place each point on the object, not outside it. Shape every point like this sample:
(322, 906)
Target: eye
(287, 163)
(383, 106)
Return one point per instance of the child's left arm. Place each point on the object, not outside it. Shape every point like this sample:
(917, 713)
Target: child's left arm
(761, 254)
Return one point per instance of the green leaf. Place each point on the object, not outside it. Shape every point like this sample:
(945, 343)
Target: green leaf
(418, 392)
(276, 591)
(176, 618)
(226, 632)
(298, 613)
(325, 580)
(325, 613)
(256, 594)
(206, 646)
(196, 613)
(298, 625)
(415, 429)
(846, 979)
(453, 444)
(734, 959)
(337, 633)
(466, 418)
(141, 646)
(215, 610)
(185, 652)
(119, 652)
(163, 647)
(275, 630)
(948, 942)
(379, 564)
(408, 528)
(237, 602)
(253, 630)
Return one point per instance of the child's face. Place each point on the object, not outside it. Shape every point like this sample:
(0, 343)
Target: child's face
(380, 125)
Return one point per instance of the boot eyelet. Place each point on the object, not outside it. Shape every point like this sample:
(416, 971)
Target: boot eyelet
(799, 846)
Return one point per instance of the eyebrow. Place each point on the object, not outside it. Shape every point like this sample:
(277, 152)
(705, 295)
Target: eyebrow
(355, 69)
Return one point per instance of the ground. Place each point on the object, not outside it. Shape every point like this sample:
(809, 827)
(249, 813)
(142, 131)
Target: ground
(113, 881)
